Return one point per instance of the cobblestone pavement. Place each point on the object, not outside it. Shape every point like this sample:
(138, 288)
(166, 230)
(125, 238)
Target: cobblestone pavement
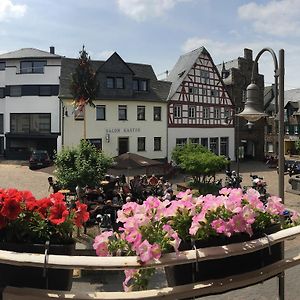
(18, 175)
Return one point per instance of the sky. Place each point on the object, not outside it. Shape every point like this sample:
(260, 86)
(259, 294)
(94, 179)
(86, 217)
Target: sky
(157, 32)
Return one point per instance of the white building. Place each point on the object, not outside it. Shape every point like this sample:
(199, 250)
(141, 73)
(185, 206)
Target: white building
(29, 105)
(200, 110)
(130, 113)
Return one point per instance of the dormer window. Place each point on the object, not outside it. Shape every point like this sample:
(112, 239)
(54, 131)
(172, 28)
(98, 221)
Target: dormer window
(36, 67)
(140, 85)
(115, 82)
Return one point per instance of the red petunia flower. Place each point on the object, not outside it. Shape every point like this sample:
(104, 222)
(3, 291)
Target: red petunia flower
(58, 213)
(42, 206)
(81, 214)
(29, 199)
(11, 208)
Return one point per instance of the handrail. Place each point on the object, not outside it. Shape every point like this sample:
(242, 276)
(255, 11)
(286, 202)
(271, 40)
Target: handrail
(177, 292)
(131, 262)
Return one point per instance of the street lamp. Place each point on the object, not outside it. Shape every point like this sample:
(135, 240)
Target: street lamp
(253, 111)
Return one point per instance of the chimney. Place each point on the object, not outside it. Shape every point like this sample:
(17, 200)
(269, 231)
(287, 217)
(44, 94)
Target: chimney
(52, 50)
(248, 54)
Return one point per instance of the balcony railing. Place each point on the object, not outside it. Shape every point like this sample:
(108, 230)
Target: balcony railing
(131, 262)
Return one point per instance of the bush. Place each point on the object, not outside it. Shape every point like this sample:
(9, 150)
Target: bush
(83, 165)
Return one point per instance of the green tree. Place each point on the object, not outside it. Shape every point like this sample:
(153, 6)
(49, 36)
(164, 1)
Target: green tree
(297, 146)
(83, 165)
(199, 162)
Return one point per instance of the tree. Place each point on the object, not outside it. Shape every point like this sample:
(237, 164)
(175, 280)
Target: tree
(199, 162)
(297, 146)
(84, 85)
(83, 165)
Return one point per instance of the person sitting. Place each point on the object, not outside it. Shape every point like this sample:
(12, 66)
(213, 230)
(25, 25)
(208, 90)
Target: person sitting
(153, 180)
(169, 195)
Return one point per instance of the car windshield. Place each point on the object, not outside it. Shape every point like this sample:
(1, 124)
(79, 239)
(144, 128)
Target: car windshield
(40, 155)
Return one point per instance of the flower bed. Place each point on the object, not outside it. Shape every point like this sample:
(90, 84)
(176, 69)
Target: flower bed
(156, 227)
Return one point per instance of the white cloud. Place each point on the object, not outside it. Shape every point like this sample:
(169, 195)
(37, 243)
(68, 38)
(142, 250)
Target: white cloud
(8, 10)
(105, 54)
(141, 10)
(277, 17)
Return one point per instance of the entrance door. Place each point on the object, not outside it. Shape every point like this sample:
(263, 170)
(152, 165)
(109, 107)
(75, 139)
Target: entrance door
(123, 145)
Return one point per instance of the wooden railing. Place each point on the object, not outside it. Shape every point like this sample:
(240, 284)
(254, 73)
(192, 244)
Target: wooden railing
(177, 292)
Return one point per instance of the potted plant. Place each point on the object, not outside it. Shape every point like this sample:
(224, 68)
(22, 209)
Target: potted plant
(35, 225)
(156, 227)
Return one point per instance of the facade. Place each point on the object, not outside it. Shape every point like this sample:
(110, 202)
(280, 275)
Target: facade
(130, 109)
(29, 106)
(236, 75)
(291, 123)
(200, 109)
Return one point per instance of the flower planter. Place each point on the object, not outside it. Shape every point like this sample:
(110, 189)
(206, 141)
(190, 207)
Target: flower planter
(20, 276)
(224, 267)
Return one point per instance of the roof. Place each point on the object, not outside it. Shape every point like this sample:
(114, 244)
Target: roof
(28, 53)
(158, 89)
(181, 69)
(290, 96)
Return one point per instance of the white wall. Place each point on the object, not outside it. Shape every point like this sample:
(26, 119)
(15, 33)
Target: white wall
(73, 129)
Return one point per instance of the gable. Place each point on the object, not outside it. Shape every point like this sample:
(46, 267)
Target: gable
(202, 83)
(115, 64)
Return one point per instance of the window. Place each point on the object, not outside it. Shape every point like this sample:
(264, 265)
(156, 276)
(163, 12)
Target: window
(1, 123)
(140, 85)
(45, 90)
(194, 90)
(224, 143)
(15, 91)
(30, 123)
(157, 143)
(135, 85)
(177, 111)
(204, 142)
(119, 82)
(143, 84)
(269, 129)
(217, 113)
(270, 147)
(214, 93)
(213, 145)
(194, 141)
(141, 112)
(115, 82)
(204, 92)
(206, 113)
(157, 113)
(33, 66)
(122, 112)
(192, 112)
(295, 129)
(204, 74)
(2, 92)
(110, 82)
(100, 112)
(181, 142)
(97, 143)
(2, 65)
(141, 144)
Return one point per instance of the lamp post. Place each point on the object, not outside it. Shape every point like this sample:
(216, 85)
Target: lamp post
(253, 111)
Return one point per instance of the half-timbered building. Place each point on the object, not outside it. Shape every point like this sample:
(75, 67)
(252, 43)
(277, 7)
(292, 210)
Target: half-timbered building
(199, 108)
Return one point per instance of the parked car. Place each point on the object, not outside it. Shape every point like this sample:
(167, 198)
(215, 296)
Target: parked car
(39, 159)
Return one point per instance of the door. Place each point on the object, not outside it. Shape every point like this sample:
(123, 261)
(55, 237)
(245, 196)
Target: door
(123, 145)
